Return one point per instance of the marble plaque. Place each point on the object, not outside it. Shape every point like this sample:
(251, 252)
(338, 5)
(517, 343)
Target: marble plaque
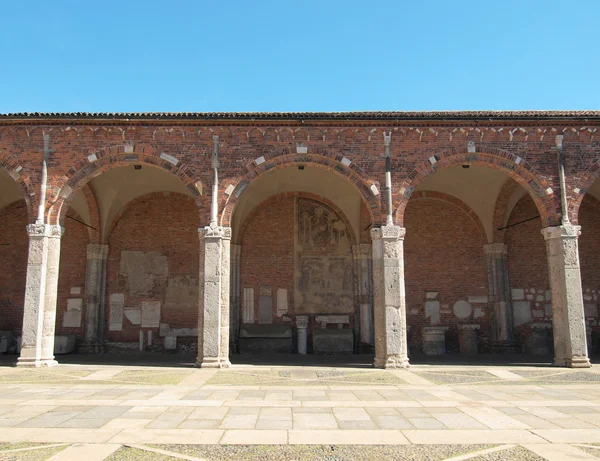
(134, 316)
(117, 300)
(265, 309)
(150, 314)
(282, 302)
(72, 318)
(248, 306)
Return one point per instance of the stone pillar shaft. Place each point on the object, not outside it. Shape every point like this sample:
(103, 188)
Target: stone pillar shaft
(499, 293)
(568, 323)
(389, 297)
(39, 316)
(95, 296)
(234, 296)
(363, 270)
(214, 284)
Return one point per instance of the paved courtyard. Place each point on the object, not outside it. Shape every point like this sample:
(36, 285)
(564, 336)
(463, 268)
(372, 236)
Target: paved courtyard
(436, 412)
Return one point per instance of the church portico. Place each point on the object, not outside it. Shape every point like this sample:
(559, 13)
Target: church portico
(360, 234)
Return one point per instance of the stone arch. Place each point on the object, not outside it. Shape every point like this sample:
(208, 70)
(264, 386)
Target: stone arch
(113, 157)
(352, 173)
(443, 197)
(514, 166)
(131, 203)
(92, 204)
(16, 172)
(585, 182)
(285, 195)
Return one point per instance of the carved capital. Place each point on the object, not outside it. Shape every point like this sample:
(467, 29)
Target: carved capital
(45, 230)
(214, 231)
(495, 249)
(564, 231)
(302, 321)
(388, 233)
(97, 251)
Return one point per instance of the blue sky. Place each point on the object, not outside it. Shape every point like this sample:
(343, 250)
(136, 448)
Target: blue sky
(287, 55)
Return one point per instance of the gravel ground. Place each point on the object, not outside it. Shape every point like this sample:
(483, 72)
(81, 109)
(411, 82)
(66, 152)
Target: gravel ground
(133, 454)
(514, 454)
(33, 455)
(324, 378)
(321, 452)
(591, 451)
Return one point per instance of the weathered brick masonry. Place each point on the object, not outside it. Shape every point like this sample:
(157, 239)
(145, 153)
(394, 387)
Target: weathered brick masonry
(146, 221)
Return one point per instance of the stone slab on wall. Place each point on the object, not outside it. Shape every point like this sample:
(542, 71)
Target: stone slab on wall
(117, 302)
(150, 314)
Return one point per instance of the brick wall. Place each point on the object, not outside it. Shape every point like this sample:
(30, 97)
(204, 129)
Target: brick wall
(166, 224)
(589, 249)
(73, 260)
(13, 264)
(267, 257)
(443, 252)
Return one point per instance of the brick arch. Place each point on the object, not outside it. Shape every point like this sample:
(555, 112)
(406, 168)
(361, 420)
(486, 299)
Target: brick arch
(317, 158)
(500, 209)
(286, 195)
(16, 172)
(113, 157)
(515, 167)
(136, 200)
(443, 197)
(585, 182)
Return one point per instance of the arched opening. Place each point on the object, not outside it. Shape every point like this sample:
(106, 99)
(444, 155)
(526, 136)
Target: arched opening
(298, 233)
(13, 261)
(588, 217)
(457, 278)
(140, 277)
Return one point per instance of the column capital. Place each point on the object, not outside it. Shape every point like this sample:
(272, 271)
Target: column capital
(302, 321)
(97, 251)
(215, 232)
(388, 233)
(45, 230)
(495, 249)
(564, 231)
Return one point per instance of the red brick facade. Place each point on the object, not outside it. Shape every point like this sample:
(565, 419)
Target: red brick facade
(444, 240)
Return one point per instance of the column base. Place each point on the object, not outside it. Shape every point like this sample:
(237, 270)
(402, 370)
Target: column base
(573, 362)
(393, 361)
(212, 362)
(35, 363)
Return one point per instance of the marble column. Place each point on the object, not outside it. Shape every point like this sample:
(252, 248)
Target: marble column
(302, 325)
(234, 296)
(39, 314)
(95, 297)
(363, 270)
(389, 297)
(568, 322)
(213, 310)
(499, 294)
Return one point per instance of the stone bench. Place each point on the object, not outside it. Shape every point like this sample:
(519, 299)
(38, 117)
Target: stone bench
(264, 338)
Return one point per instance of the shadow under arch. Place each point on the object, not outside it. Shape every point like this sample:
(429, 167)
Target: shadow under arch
(351, 174)
(515, 167)
(114, 157)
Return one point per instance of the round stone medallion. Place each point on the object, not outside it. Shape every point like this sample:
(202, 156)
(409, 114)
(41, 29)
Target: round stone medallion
(462, 309)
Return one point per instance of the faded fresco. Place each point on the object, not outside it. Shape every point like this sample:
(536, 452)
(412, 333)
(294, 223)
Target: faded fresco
(323, 276)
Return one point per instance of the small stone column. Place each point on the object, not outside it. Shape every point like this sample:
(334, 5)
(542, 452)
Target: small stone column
(234, 296)
(95, 296)
(302, 324)
(39, 316)
(214, 285)
(568, 323)
(389, 297)
(499, 293)
(363, 270)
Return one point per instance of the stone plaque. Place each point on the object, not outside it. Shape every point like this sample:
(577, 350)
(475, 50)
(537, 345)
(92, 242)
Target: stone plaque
(432, 311)
(150, 314)
(265, 309)
(72, 318)
(248, 306)
(266, 291)
(282, 302)
(117, 300)
(521, 312)
(462, 309)
(134, 316)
